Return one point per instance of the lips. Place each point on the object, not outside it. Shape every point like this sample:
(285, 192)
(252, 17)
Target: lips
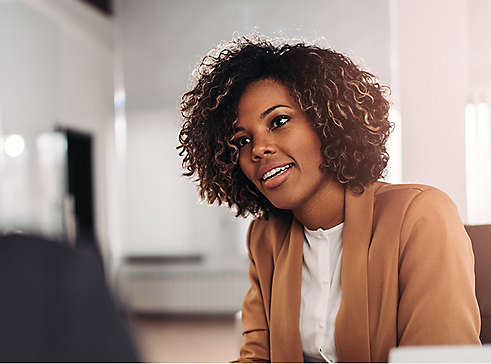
(268, 167)
(274, 174)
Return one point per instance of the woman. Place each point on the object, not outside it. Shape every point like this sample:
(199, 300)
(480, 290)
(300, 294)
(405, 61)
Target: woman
(342, 267)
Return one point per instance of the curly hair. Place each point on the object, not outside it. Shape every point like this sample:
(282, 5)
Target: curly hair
(347, 106)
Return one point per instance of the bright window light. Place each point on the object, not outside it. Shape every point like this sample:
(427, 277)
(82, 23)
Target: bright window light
(14, 145)
(478, 163)
(120, 123)
(51, 148)
(119, 99)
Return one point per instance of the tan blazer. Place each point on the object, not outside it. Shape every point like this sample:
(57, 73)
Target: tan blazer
(407, 278)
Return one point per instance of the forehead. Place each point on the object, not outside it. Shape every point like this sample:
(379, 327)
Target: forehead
(262, 95)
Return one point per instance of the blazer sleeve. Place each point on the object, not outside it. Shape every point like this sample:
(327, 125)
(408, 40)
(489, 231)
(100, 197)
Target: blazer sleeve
(255, 346)
(437, 301)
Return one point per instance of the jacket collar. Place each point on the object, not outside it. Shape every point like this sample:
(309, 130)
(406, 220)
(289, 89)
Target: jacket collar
(352, 331)
(352, 334)
(285, 342)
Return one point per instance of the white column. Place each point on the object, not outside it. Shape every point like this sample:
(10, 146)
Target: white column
(433, 85)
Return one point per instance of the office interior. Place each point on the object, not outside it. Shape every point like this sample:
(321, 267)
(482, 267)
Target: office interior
(89, 117)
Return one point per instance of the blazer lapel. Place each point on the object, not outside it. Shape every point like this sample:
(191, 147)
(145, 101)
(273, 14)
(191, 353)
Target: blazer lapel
(286, 345)
(352, 331)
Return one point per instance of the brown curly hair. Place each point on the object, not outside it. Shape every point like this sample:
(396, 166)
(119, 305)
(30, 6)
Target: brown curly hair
(347, 106)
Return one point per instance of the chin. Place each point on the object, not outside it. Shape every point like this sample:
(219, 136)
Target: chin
(283, 204)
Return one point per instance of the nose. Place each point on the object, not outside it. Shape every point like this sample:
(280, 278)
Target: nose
(262, 148)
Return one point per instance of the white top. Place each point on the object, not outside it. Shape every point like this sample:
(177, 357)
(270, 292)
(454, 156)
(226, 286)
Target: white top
(321, 292)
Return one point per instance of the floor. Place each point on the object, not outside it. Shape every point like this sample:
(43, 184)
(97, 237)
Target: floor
(186, 339)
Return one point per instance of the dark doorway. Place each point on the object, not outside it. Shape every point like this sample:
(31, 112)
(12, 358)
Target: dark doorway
(80, 185)
(105, 6)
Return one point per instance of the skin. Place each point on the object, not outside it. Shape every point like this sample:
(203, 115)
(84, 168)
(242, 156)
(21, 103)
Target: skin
(272, 130)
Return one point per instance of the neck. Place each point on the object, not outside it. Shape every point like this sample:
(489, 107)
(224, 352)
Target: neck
(324, 210)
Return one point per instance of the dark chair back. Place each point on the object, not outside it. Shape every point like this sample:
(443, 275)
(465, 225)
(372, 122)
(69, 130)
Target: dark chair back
(481, 243)
(55, 306)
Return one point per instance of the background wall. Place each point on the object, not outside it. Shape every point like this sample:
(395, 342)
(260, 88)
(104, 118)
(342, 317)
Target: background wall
(478, 119)
(56, 69)
(433, 54)
(479, 40)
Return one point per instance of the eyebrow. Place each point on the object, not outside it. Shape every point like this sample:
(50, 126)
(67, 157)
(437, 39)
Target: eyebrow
(268, 111)
(264, 114)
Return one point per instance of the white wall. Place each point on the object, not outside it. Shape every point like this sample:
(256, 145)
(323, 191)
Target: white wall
(479, 35)
(433, 55)
(56, 68)
(478, 121)
(161, 42)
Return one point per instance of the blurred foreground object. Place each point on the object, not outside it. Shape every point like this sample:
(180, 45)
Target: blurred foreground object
(441, 354)
(56, 306)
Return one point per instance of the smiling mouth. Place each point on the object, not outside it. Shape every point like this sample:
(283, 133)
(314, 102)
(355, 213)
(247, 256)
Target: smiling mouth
(276, 172)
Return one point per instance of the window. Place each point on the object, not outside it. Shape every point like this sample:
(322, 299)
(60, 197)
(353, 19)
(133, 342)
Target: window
(478, 162)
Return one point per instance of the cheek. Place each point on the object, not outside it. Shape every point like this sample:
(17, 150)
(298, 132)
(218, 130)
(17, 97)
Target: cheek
(312, 160)
(246, 168)
(315, 149)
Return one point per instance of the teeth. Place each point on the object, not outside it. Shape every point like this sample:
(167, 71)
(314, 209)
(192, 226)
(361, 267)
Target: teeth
(273, 172)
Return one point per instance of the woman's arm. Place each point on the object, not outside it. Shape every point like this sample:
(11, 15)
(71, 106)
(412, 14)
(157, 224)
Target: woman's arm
(437, 303)
(255, 347)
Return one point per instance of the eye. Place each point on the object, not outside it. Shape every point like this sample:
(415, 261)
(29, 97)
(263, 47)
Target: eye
(278, 121)
(242, 141)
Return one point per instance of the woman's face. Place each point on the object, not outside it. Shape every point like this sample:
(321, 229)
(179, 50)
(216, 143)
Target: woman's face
(279, 148)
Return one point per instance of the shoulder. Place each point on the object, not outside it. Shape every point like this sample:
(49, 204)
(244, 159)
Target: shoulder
(404, 191)
(267, 235)
(415, 209)
(425, 214)
(410, 197)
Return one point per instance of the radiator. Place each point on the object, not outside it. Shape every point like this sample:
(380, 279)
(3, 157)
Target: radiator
(183, 288)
